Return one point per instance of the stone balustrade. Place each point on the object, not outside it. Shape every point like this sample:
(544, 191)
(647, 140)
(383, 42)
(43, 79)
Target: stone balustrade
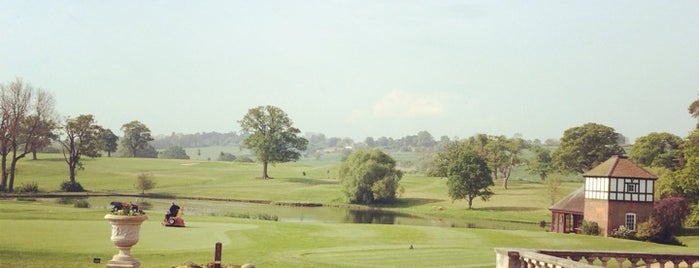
(529, 258)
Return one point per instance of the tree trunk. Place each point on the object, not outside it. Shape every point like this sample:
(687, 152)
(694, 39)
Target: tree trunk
(264, 170)
(3, 184)
(470, 202)
(71, 171)
(34, 155)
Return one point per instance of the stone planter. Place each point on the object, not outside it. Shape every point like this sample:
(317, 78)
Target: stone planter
(125, 233)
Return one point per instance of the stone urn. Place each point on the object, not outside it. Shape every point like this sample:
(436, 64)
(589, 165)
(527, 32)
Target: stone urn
(125, 233)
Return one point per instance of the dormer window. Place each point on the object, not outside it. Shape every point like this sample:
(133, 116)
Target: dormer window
(631, 187)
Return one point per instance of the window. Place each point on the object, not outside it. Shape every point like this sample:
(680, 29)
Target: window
(631, 221)
(631, 187)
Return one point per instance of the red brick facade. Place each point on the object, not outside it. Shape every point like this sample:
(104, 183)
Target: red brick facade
(609, 215)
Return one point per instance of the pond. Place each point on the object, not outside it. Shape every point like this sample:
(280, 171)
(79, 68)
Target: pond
(301, 214)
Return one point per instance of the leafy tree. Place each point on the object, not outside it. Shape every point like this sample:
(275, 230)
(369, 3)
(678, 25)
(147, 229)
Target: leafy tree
(144, 182)
(694, 110)
(82, 138)
(469, 177)
(657, 150)
(501, 154)
(26, 120)
(271, 136)
(135, 140)
(226, 157)
(670, 212)
(513, 150)
(540, 163)
(683, 182)
(370, 176)
(586, 146)
(444, 158)
(110, 141)
(174, 152)
(553, 188)
(425, 139)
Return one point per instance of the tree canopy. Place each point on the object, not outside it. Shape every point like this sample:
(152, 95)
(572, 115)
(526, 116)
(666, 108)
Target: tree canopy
(82, 138)
(370, 176)
(27, 122)
(469, 177)
(586, 146)
(272, 136)
(657, 150)
(173, 152)
(135, 140)
(540, 163)
(110, 141)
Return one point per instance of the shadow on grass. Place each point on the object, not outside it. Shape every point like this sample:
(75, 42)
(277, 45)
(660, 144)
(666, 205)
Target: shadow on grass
(409, 202)
(159, 195)
(309, 181)
(692, 231)
(501, 209)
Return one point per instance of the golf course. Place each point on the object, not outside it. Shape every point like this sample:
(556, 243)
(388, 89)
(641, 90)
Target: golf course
(254, 219)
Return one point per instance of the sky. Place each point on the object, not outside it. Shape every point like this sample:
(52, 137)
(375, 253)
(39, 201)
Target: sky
(363, 68)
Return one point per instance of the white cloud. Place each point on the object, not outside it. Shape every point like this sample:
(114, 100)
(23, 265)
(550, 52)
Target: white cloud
(408, 105)
(401, 104)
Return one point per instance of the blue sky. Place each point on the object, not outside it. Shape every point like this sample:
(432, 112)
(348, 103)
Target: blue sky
(363, 68)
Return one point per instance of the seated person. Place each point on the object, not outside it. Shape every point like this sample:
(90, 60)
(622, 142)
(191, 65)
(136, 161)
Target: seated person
(173, 211)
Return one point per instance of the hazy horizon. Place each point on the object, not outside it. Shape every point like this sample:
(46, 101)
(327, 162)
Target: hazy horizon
(363, 68)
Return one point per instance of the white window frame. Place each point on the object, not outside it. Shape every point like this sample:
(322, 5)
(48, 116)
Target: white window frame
(632, 221)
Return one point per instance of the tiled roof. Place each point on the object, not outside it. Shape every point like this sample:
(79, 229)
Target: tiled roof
(619, 167)
(574, 202)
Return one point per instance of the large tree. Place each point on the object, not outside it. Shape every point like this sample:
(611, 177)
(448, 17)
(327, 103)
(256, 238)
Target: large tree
(82, 138)
(469, 177)
(540, 162)
(586, 146)
(135, 140)
(272, 136)
(110, 141)
(657, 150)
(370, 176)
(26, 120)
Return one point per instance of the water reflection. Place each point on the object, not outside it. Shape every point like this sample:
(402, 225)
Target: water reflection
(370, 216)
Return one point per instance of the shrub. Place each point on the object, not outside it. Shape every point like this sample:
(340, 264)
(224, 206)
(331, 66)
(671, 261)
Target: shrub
(70, 186)
(370, 176)
(623, 232)
(590, 228)
(670, 212)
(144, 182)
(31, 187)
(65, 200)
(226, 157)
(81, 203)
(650, 230)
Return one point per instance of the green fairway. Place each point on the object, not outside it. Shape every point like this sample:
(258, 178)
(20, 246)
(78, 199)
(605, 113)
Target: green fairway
(42, 233)
(34, 236)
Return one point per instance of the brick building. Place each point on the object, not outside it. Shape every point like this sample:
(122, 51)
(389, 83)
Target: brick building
(617, 192)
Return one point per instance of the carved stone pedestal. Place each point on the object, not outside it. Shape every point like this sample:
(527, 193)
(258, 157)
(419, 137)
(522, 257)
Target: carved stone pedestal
(125, 234)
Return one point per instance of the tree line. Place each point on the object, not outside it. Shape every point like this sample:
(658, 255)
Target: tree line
(29, 124)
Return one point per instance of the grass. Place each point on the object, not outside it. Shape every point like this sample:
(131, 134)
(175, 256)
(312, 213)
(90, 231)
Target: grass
(42, 233)
(52, 235)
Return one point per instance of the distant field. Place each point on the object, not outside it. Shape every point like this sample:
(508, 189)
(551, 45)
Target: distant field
(44, 234)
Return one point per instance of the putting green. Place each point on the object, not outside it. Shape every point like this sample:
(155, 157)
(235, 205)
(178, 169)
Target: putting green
(77, 235)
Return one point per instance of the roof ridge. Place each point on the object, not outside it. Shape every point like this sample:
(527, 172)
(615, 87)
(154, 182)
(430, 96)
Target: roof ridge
(611, 170)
